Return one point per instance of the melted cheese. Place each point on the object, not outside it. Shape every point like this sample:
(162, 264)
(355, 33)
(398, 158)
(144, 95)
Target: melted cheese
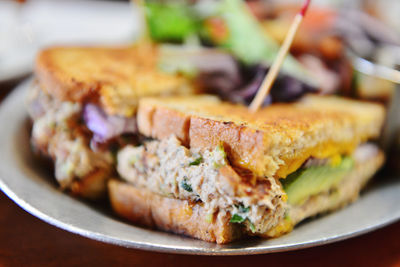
(330, 150)
(283, 227)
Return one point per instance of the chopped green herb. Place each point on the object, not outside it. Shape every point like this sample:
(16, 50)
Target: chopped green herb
(242, 208)
(220, 149)
(252, 227)
(186, 186)
(286, 217)
(220, 155)
(237, 219)
(196, 161)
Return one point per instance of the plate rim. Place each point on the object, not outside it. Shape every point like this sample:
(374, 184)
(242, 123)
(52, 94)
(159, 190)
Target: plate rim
(165, 249)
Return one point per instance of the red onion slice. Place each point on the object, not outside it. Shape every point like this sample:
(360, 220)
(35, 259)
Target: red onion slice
(106, 127)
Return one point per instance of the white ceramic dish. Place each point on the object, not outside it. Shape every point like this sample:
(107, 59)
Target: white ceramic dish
(31, 186)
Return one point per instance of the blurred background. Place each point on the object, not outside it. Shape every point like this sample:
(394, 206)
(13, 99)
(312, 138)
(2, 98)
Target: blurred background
(26, 26)
(370, 29)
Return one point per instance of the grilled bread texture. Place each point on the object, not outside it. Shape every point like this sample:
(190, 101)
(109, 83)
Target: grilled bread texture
(274, 141)
(116, 77)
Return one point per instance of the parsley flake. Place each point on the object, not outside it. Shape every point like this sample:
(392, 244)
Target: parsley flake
(186, 186)
(196, 161)
(252, 227)
(237, 219)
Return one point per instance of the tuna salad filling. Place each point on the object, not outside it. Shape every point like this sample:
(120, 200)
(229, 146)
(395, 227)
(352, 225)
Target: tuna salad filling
(170, 169)
(83, 154)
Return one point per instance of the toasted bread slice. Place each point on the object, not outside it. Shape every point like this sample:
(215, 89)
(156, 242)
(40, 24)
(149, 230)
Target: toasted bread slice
(179, 216)
(274, 141)
(116, 77)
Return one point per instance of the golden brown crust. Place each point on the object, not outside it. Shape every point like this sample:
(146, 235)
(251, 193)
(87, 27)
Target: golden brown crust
(274, 141)
(179, 216)
(161, 121)
(242, 144)
(115, 76)
(166, 121)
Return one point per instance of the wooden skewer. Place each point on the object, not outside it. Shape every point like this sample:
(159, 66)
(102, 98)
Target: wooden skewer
(145, 35)
(277, 64)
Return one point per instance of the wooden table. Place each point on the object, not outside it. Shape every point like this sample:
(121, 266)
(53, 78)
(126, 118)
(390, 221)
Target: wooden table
(27, 241)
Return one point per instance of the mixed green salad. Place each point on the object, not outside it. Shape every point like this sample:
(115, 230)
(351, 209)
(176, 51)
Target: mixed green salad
(221, 45)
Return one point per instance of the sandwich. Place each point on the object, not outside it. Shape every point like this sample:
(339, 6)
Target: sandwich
(83, 101)
(83, 104)
(213, 170)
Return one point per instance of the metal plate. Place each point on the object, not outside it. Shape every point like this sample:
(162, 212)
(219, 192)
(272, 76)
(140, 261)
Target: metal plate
(31, 186)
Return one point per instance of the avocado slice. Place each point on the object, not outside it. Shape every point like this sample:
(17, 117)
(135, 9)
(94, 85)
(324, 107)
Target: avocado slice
(306, 182)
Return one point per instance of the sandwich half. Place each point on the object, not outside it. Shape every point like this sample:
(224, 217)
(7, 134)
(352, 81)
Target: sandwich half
(83, 106)
(217, 172)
